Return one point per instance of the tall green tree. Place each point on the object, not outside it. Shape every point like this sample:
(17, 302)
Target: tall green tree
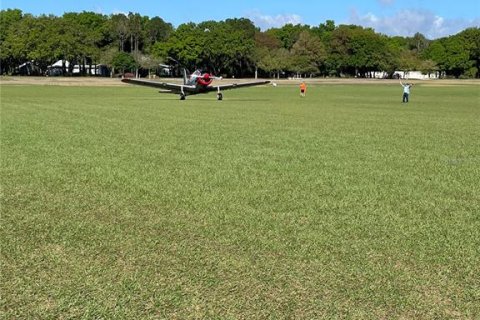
(265, 44)
(87, 32)
(324, 31)
(452, 55)
(288, 34)
(418, 43)
(308, 54)
(471, 38)
(12, 51)
(157, 30)
(124, 62)
(120, 29)
(185, 45)
(136, 31)
(34, 39)
(8, 20)
(457, 56)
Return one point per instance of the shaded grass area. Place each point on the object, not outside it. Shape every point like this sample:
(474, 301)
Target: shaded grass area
(123, 203)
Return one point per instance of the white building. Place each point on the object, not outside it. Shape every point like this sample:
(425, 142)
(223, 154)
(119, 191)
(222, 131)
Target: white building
(95, 69)
(416, 75)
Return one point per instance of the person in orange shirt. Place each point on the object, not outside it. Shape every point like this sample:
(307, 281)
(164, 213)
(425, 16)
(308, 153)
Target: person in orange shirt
(303, 89)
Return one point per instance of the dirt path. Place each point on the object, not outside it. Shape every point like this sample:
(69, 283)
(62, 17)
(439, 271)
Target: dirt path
(112, 82)
(60, 81)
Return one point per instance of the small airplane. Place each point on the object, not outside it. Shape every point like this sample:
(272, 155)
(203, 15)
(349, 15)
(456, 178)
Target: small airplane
(196, 83)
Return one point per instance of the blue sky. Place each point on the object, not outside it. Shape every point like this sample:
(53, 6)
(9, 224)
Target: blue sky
(434, 18)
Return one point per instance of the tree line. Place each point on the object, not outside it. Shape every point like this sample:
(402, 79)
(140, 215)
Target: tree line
(234, 47)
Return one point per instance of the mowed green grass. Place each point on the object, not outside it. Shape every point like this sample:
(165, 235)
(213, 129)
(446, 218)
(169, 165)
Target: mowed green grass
(124, 203)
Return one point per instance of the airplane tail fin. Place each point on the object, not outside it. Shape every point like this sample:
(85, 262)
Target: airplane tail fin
(184, 76)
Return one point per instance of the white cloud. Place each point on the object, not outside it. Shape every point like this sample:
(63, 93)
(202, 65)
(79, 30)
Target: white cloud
(267, 21)
(408, 22)
(98, 9)
(116, 11)
(386, 2)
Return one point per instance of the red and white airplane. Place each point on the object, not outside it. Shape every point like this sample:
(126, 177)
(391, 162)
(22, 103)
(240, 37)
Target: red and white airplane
(196, 83)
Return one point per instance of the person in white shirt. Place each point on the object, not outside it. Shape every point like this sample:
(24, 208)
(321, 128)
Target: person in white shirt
(406, 90)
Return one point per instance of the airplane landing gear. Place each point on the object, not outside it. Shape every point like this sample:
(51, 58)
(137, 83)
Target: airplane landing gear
(219, 96)
(182, 96)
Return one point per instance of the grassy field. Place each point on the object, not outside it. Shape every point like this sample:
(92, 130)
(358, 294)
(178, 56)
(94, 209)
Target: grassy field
(123, 203)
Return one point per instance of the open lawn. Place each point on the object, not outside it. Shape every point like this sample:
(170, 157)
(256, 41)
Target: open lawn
(119, 202)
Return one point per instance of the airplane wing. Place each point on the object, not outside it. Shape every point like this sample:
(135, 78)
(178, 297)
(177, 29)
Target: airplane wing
(169, 87)
(185, 89)
(237, 85)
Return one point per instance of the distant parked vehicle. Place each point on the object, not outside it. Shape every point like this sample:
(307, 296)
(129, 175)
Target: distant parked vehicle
(54, 72)
(28, 69)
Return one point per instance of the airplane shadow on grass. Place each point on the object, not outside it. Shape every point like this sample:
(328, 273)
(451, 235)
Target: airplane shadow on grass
(203, 100)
